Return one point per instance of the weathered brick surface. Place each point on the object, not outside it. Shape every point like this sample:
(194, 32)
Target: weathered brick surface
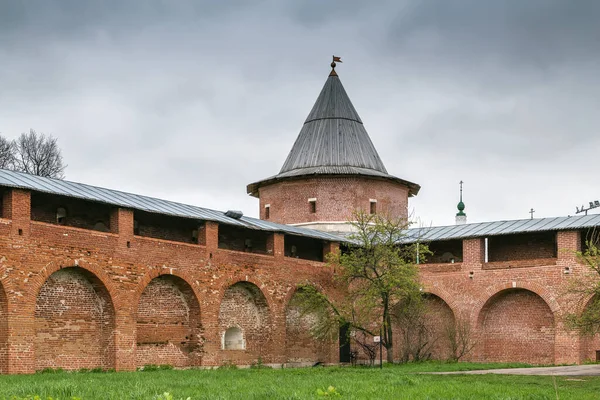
(517, 324)
(137, 274)
(168, 324)
(300, 346)
(73, 297)
(74, 322)
(336, 198)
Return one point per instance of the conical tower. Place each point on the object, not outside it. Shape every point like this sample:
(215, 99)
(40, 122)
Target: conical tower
(332, 170)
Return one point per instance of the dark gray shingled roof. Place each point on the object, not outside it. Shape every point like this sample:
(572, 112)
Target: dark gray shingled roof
(332, 141)
(117, 198)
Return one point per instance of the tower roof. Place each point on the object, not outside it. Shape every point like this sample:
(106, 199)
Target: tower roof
(332, 141)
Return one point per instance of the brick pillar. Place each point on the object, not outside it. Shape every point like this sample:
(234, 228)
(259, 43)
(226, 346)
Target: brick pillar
(473, 254)
(209, 235)
(21, 339)
(125, 336)
(278, 245)
(567, 343)
(121, 223)
(16, 205)
(568, 243)
(330, 247)
(210, 303)
(209, 316)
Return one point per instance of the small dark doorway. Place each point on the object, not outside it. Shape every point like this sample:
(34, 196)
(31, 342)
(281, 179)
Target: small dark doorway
(344, 343)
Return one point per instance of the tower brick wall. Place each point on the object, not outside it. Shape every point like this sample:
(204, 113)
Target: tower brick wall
(336, 199)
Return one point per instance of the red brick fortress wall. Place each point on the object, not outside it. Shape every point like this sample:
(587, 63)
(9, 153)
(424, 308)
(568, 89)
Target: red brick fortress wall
(336, 198)
(76, 298)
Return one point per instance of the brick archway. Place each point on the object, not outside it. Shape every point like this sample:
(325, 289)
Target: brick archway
(74, 321)
(517, 325)
(589, 344)
(168, 329)
(424, 334)
(300, 346)
(244, 305)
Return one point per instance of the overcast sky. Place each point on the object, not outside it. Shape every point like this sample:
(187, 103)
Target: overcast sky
(192, 100)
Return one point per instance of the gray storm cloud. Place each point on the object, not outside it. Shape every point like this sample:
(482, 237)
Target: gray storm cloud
(190, 101)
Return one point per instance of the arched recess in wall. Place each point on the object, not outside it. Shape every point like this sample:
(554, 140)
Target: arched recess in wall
(245, 308)
(590, 345)
(3, 331)
(74, 322)
(168, 329)
(517, 325)
(423, 335)
(300, 345)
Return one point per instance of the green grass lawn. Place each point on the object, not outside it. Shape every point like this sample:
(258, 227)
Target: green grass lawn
(393, 382)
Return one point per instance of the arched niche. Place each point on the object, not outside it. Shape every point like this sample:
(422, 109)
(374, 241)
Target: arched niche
(425, 333)
(590, 344)
(74, 322)
(233, 339)
(300, 345)
(517, 325)
(244, 306)
(168, 329)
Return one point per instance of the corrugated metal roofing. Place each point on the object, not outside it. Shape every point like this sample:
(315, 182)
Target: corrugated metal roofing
(149, 204)
(497, 228)
(144, 203)
(332, 141)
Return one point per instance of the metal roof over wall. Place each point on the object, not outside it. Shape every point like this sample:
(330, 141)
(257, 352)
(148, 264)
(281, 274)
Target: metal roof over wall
(150, 204)
(144, 203)
(497, 228)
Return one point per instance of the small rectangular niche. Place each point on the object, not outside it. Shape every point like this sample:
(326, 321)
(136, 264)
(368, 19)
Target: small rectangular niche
(166, 227)
(303, 247)
(68, 211)
(312, 205)
(243, 239)
(372, 206)
(267, 211)
(446, 251)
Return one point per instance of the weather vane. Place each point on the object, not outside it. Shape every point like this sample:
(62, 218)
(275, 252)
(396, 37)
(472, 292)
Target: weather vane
(333, 64)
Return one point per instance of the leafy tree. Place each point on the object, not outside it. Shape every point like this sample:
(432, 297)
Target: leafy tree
(38, 154)
(377, 272)
(588, 322)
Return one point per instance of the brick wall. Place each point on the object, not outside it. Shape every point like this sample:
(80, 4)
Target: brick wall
(245, 307)
(517, 325)
(74, 322)
(94, 269)
(590, 345)
(522, 246)
(3, 331)
(300, 346)
(438, 318)
(336, 198)
(168, 324)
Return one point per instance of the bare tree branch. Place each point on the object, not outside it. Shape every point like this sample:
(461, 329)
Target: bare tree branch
(38, 154)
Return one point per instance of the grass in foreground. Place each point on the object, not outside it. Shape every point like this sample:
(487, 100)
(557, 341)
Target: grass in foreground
(393, 382)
